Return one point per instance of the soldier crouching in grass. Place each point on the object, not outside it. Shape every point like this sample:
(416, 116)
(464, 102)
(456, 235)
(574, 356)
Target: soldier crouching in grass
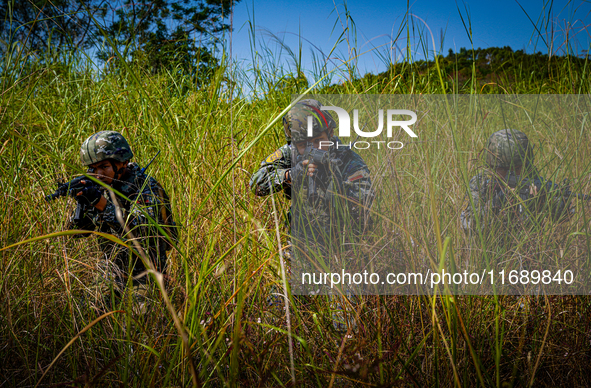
(139, 213)
(512, 202)
(510, 192)
(329, 175)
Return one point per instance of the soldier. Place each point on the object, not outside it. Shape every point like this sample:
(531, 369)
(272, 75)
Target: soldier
(510, 189)
(337, 172)
(350, 171)
(107, 155)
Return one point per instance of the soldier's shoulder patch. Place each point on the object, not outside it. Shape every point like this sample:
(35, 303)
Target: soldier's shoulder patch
(363, 173)
(274, 156)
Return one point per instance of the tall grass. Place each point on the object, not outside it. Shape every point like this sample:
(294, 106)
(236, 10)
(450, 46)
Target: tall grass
(219, 284)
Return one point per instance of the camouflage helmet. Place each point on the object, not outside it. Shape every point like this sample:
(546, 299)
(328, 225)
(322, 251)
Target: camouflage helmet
(105, 145)
(508, 148)
(295, 123)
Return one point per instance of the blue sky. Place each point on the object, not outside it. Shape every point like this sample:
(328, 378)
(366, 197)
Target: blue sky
(499, 23)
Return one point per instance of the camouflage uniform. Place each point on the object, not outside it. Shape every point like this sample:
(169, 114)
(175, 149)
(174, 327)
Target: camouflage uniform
(147, 200)
(352, 175)
(343, 184)
(494, 201)
(271, 174)
(343, 194)
(346, 173)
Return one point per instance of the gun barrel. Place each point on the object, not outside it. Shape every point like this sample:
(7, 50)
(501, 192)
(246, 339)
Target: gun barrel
(51, 197)
(64, 188)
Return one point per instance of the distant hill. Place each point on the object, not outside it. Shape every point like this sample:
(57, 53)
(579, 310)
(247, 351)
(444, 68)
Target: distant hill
(489, 70)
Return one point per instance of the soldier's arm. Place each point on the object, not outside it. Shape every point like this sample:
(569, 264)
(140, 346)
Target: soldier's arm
(273, 174)
(552, 197)
(358, 188)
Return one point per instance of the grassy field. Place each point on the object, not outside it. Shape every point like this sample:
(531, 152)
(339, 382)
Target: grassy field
(54, 331)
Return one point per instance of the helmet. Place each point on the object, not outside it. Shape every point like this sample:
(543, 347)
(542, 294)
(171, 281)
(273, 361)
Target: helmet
(295, 123)
(105, 145)
(508, 148)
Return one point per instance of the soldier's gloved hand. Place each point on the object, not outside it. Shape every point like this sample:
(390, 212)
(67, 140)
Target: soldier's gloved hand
(311, 168)
(533, 190)
(90, 195)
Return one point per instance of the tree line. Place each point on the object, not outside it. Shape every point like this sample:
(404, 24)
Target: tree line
(182, 36)
(163, 34)
(484, 70)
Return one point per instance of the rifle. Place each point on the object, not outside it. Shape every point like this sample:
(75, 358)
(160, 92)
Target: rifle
(545, 187)
(319, 158)
(64, 189)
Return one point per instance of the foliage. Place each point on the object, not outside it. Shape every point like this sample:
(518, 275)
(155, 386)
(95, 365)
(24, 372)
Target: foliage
(43, 24)
(227, 263)
(167, 35)
(162, 35)
(491, 70)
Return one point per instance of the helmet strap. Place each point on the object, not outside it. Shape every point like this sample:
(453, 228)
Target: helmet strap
(115, 169)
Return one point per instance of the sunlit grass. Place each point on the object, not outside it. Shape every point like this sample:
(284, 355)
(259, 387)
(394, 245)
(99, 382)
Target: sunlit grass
(227, 258)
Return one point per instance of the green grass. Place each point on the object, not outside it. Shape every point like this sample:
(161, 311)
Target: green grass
(227, 258)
